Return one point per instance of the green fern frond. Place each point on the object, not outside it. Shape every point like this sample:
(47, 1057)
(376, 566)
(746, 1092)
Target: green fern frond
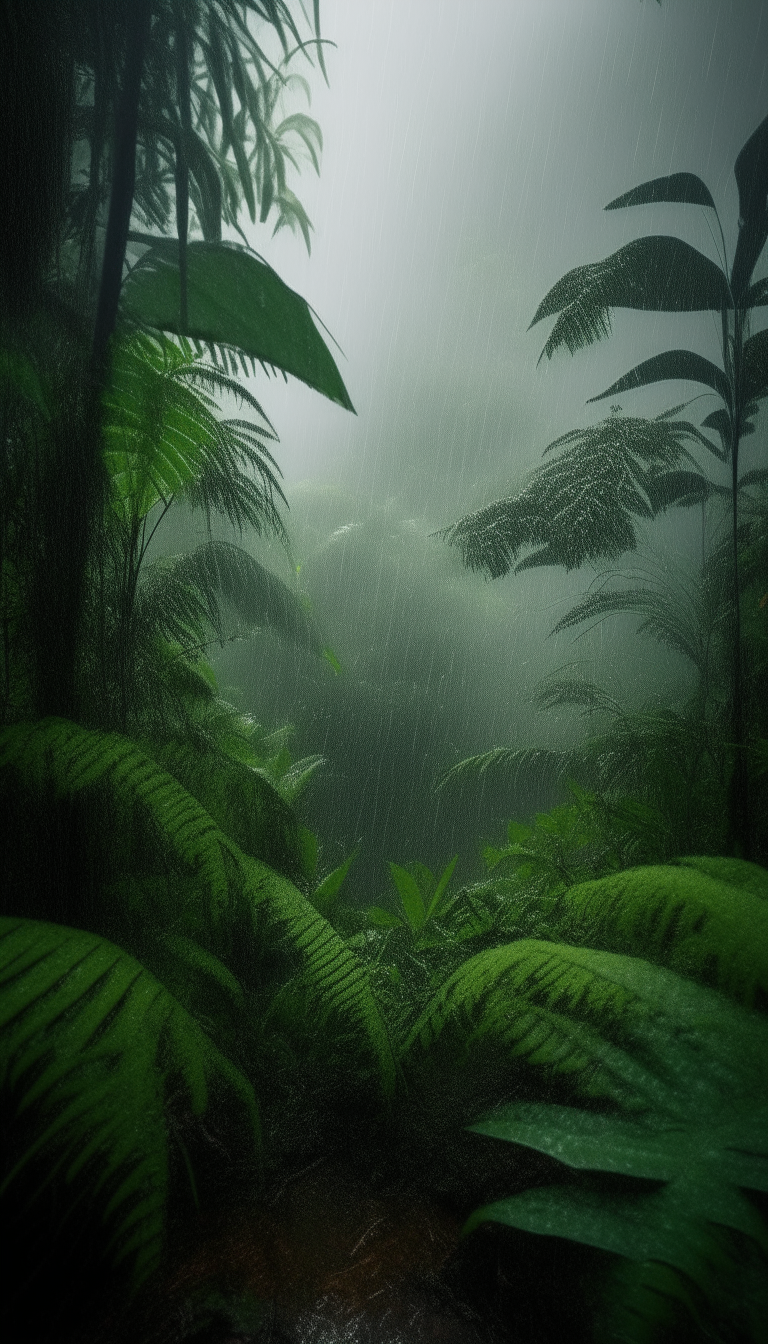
(696, 924)
(333, 973)
(619, 1027)
(163, 437)
(749, 877)
(71, 758)
(240, 798)
(89, 1045)
(511, 761)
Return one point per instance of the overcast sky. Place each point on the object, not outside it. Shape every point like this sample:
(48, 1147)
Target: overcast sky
(469, 151)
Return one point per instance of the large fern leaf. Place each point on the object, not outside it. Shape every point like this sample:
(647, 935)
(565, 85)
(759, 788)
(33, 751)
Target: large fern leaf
(90, 1042)
(336, 978)
(163, 436)
(618, 1026)
(73, 758)
(694, 923)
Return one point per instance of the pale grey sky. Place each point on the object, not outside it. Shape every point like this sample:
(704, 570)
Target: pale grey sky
(469, 151)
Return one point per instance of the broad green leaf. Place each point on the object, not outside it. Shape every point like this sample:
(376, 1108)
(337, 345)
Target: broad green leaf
(720, 420)
(757, 294)
(382, 918)
(657, 1151)
(677, 364)
(751, 173)
(443, 881)
(755, 367)
(233, 298)
(641, 1225)
(331, 885)
(659, 274)
(410, 895)
(686, 188)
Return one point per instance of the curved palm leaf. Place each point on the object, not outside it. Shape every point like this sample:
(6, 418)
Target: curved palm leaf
(683, 614)
(677, 187)
(659, 274)
(512, 761)
(751, 173)
(749, 877)
(218, 571)
(673, 364)
(91, 1043)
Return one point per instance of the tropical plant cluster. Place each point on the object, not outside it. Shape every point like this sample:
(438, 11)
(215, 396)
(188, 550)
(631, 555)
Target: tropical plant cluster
(190, 1004)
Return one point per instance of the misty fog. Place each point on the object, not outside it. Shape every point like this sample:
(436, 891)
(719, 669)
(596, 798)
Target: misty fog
(468, 153)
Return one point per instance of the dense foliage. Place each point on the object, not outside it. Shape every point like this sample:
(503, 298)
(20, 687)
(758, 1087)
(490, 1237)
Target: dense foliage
(191, 1007)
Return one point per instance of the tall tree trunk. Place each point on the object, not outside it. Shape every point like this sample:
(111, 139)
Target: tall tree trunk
(72, 490)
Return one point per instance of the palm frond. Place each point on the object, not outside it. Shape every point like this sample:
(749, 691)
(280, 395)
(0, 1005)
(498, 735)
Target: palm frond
(658, 274)
(685, 613)
(557, 689)
(696, 924)
(91, 1046)
(514, 762)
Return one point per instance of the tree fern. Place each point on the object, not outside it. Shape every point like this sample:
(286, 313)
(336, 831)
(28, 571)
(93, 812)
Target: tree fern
(697, 924)
(91, 1047)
